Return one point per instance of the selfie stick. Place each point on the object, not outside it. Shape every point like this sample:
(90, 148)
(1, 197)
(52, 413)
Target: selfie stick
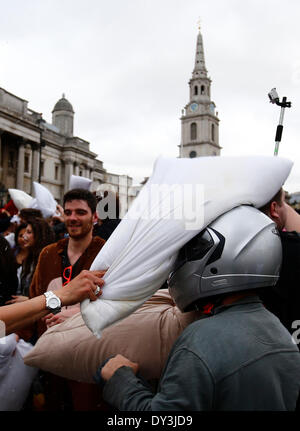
(274, 98)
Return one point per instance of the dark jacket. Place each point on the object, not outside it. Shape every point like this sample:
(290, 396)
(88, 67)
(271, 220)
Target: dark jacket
(8, 272)
(4, 223)
(284, 299)
(50, 267)
(240, 358)
(106, 228)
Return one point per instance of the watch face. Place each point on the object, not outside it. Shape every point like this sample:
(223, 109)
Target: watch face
(194, 107)
(53, 303)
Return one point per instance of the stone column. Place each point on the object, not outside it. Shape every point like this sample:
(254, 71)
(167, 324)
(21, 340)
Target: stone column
(88, 172)
(76, 169)
(35, 163)
(68, 173)
(84, 171)
(20, 169)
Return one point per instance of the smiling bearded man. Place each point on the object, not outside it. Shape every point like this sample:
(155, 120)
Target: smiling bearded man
(63, 260)
(58, 264)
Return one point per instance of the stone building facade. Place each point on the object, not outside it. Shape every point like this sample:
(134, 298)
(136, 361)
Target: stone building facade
(33, 150)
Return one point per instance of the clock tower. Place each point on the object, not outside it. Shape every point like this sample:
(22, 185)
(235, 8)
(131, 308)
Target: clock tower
(199, 121)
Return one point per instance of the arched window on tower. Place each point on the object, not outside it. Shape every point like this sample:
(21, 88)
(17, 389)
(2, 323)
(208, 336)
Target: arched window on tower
(193, 131)
(196, 90)
(202, 89)
(213, 132)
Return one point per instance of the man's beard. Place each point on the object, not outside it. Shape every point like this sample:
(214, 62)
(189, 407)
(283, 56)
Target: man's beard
(83, 232)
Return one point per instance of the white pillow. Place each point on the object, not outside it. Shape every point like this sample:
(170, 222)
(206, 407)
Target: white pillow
(44, 200)
(77, 182)
(15, 377)
(141, 251)
(20, 198)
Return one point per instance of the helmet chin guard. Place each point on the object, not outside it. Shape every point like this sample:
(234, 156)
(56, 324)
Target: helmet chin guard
(240, 250)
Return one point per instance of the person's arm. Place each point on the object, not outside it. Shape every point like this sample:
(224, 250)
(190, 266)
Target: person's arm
(19, 315)
(292, 222)
(187, 384)
(17, 298)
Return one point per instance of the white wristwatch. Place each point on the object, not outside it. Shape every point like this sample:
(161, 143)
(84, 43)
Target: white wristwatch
(53, 303)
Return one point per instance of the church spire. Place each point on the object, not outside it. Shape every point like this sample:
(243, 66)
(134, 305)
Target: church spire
(199, 69)
(199, 122)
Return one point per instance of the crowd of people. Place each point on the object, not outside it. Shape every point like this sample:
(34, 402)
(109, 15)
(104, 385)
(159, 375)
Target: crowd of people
(41, 256)
(233, 273)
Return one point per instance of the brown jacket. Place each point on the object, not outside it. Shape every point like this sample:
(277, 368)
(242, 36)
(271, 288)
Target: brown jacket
(49, 267)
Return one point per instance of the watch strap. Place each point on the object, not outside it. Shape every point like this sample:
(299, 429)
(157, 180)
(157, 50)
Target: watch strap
(50, 295)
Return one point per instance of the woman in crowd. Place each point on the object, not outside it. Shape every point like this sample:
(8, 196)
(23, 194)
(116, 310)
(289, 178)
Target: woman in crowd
(20, 251)
(37, 235)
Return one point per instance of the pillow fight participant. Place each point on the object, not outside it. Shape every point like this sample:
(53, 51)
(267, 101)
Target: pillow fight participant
(238, 356)
(102, 227)
(85, 285)
(277, 209)
(26, 214)
(37, 235)
(57, 223)
(284, 300)
(70, 255)
(58, 264)
(20, 251)
(22, 217)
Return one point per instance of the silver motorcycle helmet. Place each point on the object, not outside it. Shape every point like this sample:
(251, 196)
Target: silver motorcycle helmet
(240, 250)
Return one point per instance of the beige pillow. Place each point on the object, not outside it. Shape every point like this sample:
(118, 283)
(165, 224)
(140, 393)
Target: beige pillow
(70, 350)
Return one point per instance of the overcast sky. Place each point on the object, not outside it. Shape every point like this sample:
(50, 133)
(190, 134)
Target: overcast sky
(125, 65)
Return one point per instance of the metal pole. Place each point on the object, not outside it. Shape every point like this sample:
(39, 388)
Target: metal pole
(42, 144)
(274, 98)
(40, 164)
(279, 127)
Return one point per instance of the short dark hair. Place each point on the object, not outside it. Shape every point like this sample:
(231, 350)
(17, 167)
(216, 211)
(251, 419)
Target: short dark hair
(81, 194)
(276, 198)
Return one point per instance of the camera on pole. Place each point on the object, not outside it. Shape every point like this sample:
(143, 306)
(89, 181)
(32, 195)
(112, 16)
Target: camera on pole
(274, 98)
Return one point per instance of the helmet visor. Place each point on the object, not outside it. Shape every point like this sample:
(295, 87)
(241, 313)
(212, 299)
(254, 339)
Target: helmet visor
(195, 249)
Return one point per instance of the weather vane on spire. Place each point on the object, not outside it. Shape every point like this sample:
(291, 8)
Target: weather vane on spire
(199, 24)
